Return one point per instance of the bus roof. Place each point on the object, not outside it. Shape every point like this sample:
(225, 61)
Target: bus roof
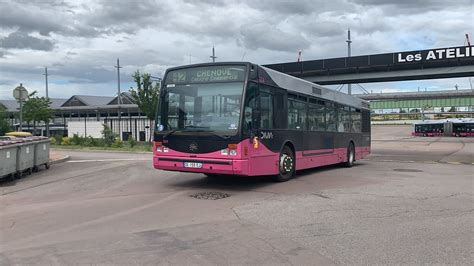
(441, 121)
(462, 120)
(295, 84)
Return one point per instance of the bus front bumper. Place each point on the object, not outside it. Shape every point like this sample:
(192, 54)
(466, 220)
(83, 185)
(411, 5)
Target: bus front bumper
(202, 165)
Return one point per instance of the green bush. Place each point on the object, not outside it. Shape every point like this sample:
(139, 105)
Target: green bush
(89, 141)
(99, 143)
(53, 141)
(108, 136)
(58, 139)
(76, 140)
(66, 141)
(117, 143)
(132, 142)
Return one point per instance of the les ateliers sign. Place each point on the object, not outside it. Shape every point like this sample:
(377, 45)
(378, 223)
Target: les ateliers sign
(436, 54)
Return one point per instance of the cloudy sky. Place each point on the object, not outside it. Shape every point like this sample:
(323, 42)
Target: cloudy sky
(80, 40)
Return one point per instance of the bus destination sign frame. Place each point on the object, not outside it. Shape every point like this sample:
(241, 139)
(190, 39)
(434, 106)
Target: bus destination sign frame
(207, 74)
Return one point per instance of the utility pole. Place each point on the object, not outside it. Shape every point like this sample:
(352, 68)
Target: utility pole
(118, 67)
(468, 43)
(213, 56)
(349, 89)
(46, 80)
(47, 95)
(119, 100)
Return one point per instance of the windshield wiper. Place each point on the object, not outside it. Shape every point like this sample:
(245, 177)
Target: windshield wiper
(201, 129)
(225, 137)
(195, 127)
(169, 133)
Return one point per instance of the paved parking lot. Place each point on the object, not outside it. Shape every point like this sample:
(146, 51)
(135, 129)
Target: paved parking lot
(411, 202)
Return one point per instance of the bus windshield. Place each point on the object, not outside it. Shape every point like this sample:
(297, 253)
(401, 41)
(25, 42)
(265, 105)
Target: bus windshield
(202, 99)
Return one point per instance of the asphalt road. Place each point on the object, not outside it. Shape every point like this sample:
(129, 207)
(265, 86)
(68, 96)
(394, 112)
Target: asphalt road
(411, 202)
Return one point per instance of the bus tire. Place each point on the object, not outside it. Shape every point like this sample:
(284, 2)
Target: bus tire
(350, 155)
(286, 165)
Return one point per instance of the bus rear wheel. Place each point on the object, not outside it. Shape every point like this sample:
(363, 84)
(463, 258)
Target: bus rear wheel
(286, 165)
(350, 155)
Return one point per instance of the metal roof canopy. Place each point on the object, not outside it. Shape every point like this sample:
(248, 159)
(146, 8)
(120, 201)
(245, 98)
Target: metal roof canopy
(449, 62)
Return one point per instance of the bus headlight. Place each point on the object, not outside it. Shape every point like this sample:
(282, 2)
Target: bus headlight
(233, 152)
(224, 152)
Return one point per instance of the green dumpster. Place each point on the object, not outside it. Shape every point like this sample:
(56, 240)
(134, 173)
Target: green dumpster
(8, 153)
(26, 156)
(41, 152)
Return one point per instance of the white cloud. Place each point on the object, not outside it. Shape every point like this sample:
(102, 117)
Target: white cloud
(80, 40)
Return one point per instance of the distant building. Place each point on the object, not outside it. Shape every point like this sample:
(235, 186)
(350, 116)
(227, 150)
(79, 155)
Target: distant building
(130, 123)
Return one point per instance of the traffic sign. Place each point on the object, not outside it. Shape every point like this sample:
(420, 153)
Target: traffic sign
(20, 93)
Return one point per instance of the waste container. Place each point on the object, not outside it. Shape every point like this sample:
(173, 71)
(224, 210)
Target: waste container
(41, 152)
(26, 156)
(8, 153)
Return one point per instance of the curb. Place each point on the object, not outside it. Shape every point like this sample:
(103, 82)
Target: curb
(65, 158)
(105, 151)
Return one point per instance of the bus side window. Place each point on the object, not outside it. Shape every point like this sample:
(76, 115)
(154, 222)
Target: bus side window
(356, 120)
(251, 113)
(266, 110)
(316, 115)
(296, 115)
(331, 117)
(343, 118)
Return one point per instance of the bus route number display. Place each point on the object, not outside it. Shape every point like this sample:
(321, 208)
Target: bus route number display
(207, 74)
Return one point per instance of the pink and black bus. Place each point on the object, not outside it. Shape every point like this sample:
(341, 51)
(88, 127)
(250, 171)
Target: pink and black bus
(244, 119)
(463, 128)
(429, 128)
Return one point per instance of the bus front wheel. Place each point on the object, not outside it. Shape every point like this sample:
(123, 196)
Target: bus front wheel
(350, 155)
(286, 165)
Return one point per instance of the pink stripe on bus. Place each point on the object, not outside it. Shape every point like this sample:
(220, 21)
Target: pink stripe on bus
(258, 161)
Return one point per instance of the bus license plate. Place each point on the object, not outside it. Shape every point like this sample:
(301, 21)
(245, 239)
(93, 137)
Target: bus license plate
(192, 165)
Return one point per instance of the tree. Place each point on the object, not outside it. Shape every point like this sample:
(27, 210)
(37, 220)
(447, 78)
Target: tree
(145, 95)
(37, 109)
(4, 125)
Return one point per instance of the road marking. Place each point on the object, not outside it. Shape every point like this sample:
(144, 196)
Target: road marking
(427, 162)
(108, 160)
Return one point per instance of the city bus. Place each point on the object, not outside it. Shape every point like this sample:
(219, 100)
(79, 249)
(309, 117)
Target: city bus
(240, 118)
(428, 128)
(463, 128)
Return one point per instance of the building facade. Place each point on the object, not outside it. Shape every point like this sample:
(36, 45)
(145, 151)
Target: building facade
(125, 119)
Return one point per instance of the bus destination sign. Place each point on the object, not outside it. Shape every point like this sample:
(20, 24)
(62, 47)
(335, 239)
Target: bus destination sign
(207, 74)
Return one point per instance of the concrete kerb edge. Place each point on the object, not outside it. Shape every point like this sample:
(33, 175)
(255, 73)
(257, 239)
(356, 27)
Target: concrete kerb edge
(105, 151)
(64, 159)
